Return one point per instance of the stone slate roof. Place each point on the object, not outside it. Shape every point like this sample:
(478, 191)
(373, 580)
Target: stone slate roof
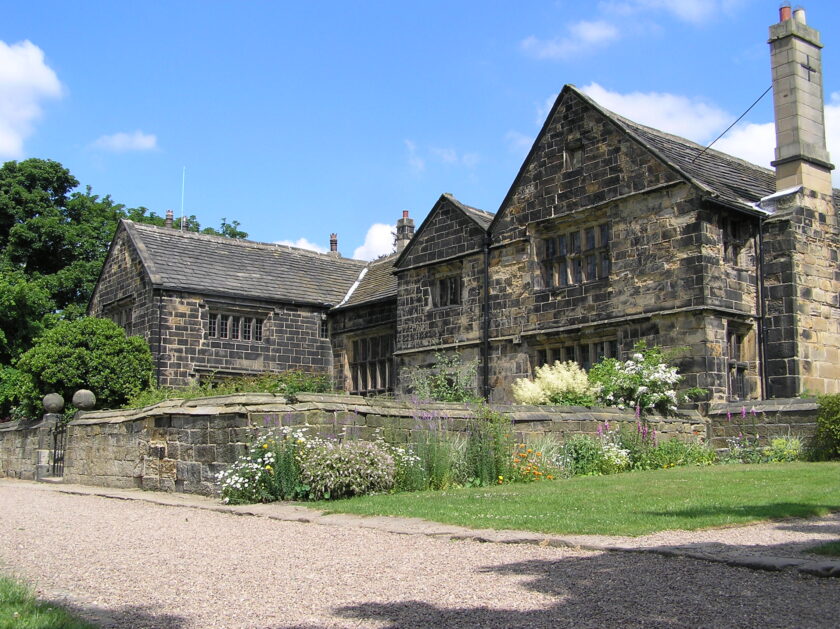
(200, 263)
(378, 284)
(481, 217)
(732, 180)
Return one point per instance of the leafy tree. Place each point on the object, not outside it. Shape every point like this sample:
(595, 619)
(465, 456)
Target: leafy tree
(25, 308)
(53, 242)
(86, 353)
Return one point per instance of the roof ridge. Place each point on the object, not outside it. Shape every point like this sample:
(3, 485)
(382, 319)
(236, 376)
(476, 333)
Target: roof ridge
(242, 242)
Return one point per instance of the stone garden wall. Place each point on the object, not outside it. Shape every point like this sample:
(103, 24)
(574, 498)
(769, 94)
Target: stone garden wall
(182, 445)
(764, 419)
(26, 448)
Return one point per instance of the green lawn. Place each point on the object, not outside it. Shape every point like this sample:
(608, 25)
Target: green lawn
(633, 503)
(19, 609)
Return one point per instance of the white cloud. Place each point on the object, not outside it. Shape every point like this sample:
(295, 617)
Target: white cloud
(302, 243)
(447, 156)
(379, 241)
(518, 143)
(451, 156)
(25, 80)
(751, 142)
(692, 11)
(123, 142)
(583, 37)
(672, 113)
(544, 109)
(415, 162)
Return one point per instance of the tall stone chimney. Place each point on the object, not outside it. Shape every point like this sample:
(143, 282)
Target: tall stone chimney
(801, 155)
(334, 245)
(405, 231)
(170, 219)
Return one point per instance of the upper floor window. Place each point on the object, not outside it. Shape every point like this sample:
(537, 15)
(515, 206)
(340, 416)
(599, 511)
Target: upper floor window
(446, 291)
(734, 236)
(121, 314)
(572, 158)
(221, 325)
(581, 255)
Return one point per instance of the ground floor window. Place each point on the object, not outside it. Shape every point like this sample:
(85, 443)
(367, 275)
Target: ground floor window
(584, 353)
(736, 365)
(121, 314)
(371, 364)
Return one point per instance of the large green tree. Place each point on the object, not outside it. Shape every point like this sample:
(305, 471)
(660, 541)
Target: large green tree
(53, 242)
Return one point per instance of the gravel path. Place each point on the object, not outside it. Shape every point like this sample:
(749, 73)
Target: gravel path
(131, 563)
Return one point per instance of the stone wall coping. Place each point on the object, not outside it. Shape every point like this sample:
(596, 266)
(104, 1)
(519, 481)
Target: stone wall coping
(765, 406)
(268, 403)
(24, 424)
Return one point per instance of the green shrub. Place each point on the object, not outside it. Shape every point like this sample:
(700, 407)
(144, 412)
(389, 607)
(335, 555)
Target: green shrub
(583, 456)
(330, 470)
(645, 381)
(87, 353)
(449, 380)
(489, 448)
(561, 383)
(288, 384)
(13, 386)
(828, 427)
(785, 449)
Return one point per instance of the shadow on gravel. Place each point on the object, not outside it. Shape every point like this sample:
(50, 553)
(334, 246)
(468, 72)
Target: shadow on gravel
(628, 590)
(128, 617)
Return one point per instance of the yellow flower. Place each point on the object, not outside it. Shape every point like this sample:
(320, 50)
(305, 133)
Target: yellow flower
(530, 451)
(265, 446)
(501, 478)
(539, 454)
(268, 468)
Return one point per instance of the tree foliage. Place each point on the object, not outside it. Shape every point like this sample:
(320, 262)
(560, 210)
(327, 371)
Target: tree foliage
(53, 242)
(86, 353)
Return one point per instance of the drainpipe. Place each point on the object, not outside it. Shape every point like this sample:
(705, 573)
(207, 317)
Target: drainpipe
(761, 339)
(159, 336)
(485, 323)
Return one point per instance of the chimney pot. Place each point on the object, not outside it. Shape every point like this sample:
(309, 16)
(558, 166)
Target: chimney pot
(170, 215)
(405, 213)
(799, 15)
(784, 12)
(334, 244)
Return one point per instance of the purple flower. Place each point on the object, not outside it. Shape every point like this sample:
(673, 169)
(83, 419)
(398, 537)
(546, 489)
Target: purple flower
(638, 411)
(600, 430)
(607, 425)
(743, 412)
(728, 416)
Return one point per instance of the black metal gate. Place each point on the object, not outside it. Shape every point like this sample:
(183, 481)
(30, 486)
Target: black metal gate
(59, 440)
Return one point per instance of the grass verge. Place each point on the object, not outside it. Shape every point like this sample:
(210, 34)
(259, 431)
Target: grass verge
(19, 609)
(829, 549)
(634, 503)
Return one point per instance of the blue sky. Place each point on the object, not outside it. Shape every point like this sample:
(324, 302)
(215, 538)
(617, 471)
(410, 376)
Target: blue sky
(303, 118)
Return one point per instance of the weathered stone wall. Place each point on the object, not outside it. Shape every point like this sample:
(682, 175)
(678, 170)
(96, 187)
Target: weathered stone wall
(182, 445)
(802, 284)
(764, 419)
(125, 284)
(291, 339)
(26, 448)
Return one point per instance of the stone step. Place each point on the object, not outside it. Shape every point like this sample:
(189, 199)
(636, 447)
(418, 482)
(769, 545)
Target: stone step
(51, 479)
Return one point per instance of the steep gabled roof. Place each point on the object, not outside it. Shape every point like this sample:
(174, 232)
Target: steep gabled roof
(481, 218)
(214, 265)
(376, 283)
(726, 179)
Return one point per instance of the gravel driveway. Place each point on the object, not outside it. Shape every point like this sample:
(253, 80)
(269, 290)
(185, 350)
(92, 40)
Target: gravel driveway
(129, 563)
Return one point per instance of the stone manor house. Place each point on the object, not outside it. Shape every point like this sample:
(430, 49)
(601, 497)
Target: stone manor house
(611, 232)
